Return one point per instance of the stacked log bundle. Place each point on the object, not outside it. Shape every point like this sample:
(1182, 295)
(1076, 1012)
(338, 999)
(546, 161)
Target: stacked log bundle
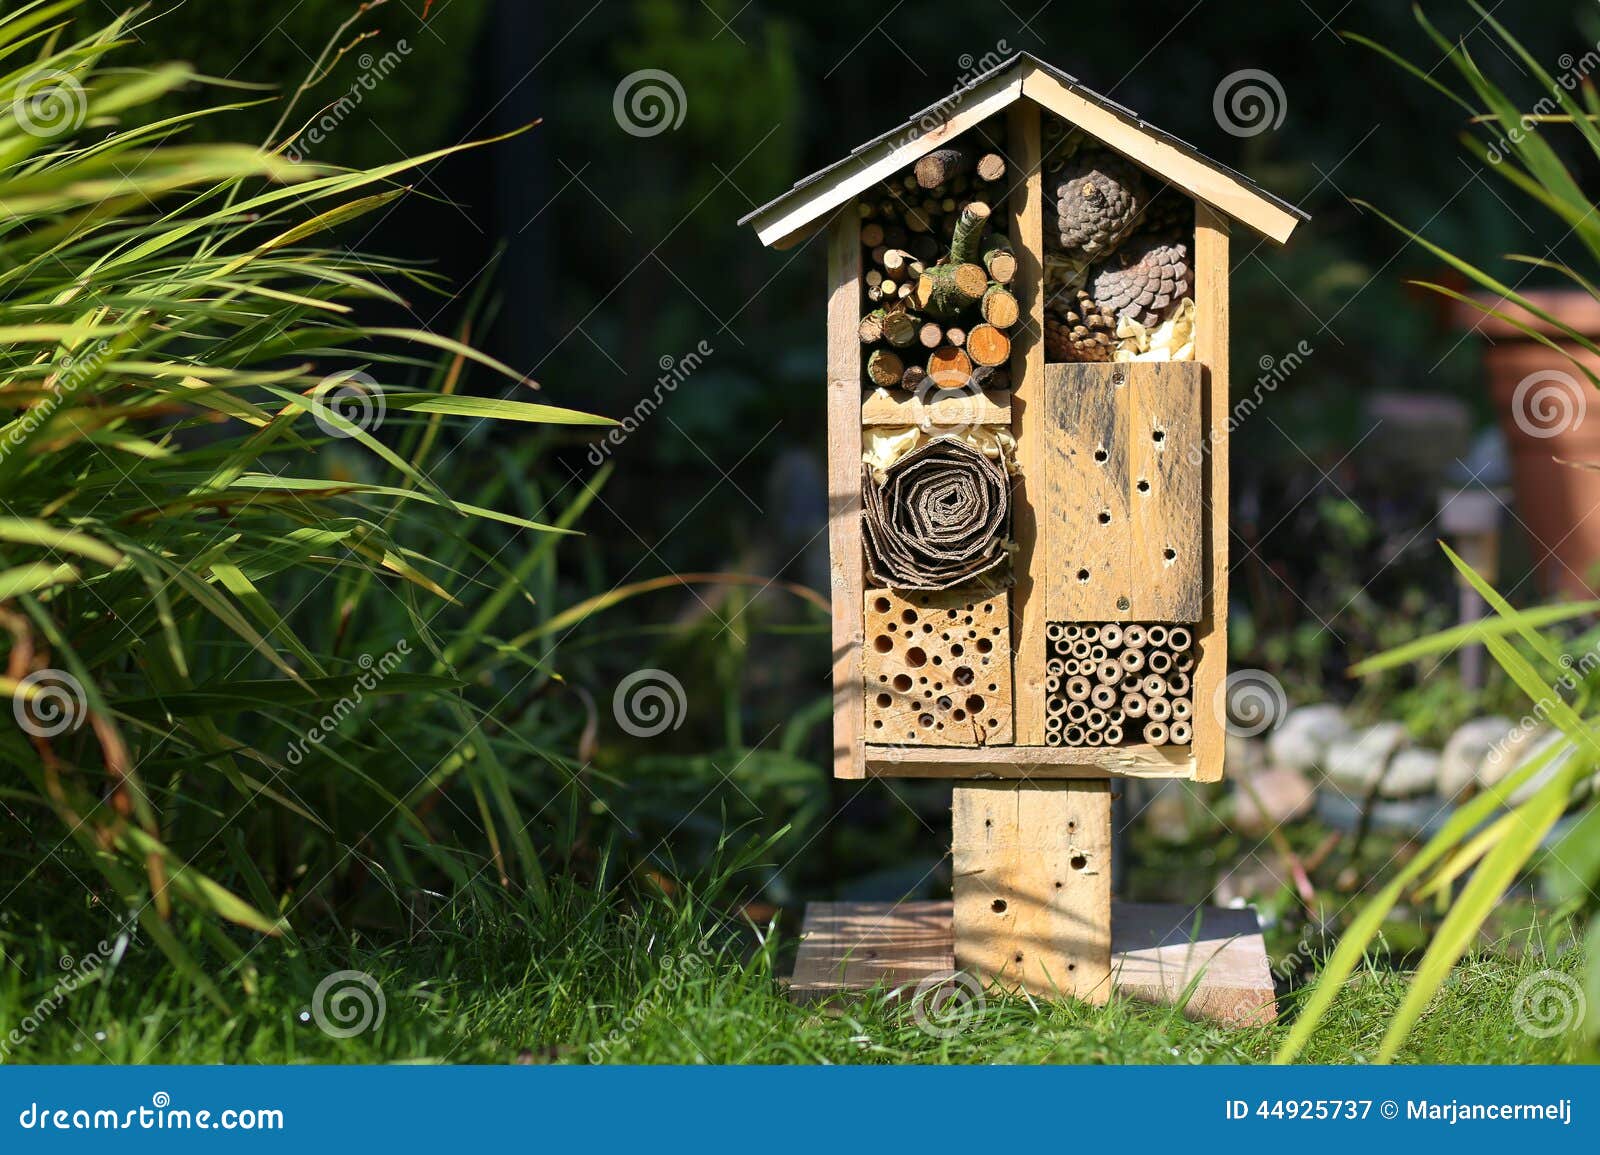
(1118, 683)
(938, 270)
(1118, 245)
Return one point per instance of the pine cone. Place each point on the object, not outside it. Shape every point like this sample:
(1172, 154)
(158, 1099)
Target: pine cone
(1169, 211)
(1081, 331)
(1145, 280)
(1097, 201)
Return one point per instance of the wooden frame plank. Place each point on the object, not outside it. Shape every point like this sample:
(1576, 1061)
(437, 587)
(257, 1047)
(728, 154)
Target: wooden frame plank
(946, 409)
(1043, 762)
(1211, 350)
(1210, 186)
(1165, 455)
(788, 219)
(844, 491)
(1031, 885)
(1028, 609)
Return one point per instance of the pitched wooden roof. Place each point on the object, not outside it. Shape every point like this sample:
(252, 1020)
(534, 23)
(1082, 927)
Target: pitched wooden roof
(792, 216)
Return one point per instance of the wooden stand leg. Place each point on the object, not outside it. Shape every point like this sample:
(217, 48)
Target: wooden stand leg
(1032, 884)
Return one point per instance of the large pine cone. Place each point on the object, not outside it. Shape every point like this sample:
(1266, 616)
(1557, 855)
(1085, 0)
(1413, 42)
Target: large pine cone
(1145, 280)
(1097, 201)
(1080, 331)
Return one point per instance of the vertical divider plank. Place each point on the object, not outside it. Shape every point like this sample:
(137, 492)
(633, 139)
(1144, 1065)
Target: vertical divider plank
(1211, 350)
(844, 491)
(1028, 425)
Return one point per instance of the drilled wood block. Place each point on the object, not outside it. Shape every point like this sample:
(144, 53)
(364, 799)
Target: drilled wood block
(937, 668)
(1031, 883)
(1121, 529)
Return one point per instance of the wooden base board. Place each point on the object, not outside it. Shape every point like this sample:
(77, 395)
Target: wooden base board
(1157, 950)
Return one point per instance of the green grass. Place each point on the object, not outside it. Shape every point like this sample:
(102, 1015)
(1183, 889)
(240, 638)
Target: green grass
(631, 982)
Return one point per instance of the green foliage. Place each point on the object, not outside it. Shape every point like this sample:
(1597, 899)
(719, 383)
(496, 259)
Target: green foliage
(224, 567)
(617, 975)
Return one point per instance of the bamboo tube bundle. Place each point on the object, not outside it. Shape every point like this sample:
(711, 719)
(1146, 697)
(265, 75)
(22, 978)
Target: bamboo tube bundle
(1118, 682)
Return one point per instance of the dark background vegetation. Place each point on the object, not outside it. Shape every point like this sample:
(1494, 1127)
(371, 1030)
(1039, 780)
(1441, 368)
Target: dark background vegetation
(609, 253)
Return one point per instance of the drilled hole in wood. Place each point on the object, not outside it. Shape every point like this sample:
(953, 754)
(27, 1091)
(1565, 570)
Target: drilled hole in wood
(943, 703)
(1019, 956)
(1079, 862)
(1143, 486)
(998, 906)
(1123, 603)
(883, 643)
(1101, 456)
(909, 617)
(902, 682)
(964, 676)
(1169, 555)
(881, 605)
(924, 719)
(1071, 826)
(957, 650)
(1159, 436)
(884, 701)
(915, 656)
(1105, 517)
(984, 645)
(974, 705)
(1083, 575)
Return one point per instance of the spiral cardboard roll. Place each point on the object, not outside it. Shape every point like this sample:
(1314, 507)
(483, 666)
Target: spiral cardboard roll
(938, 518)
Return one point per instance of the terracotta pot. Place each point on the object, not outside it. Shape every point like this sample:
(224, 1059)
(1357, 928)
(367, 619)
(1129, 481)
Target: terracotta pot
(1549, 413)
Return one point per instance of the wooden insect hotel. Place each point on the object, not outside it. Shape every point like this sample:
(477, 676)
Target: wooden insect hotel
(1028, 419)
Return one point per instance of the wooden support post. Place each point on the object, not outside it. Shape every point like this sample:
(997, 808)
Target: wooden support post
(1211, 350)
(844, 490)
(1032, 885)
(1027, 419)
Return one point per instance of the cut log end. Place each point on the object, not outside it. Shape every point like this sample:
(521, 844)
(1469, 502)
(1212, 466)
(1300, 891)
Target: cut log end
(949, 367)
(987, 345)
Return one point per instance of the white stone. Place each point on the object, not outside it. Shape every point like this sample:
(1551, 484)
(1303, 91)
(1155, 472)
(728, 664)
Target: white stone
(1525, 744)
(1411, 772)
(1357, 762)
(1266, 800)
(1464, 753)
(1302, 739)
